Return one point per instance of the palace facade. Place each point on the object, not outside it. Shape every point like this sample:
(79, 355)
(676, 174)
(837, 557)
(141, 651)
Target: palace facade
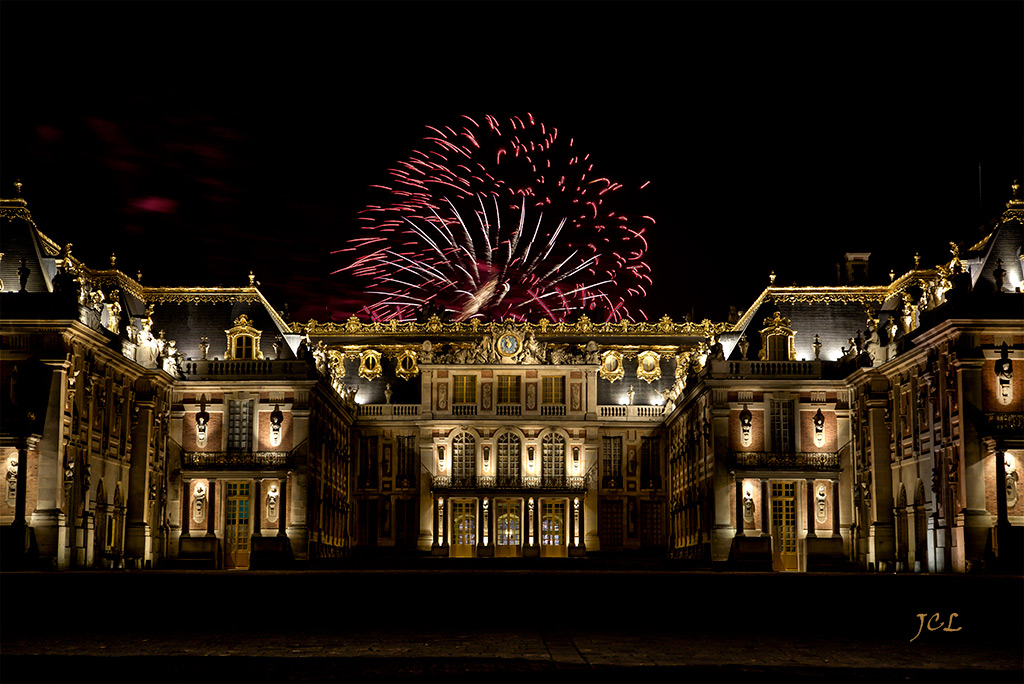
(845, 427)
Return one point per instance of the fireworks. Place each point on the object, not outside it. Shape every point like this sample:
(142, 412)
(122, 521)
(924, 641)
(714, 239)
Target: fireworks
(500, 220)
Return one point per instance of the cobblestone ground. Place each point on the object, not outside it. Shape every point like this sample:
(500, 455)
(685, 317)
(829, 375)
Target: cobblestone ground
(421, 638)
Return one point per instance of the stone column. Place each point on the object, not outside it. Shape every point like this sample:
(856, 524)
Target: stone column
(282, 513)
(976, 518)
(257, 508)
(739, 506)
(47, 520)
(810, 508)
(765, 505)
(835, 507)
(21, 491)
(881, 532)
(186, 505)
(211, 508)
(138, 535)
(436, 526)
(583, 536)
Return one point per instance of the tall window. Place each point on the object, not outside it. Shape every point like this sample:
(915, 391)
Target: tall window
(552, 523)
(368, 462)
(552, 457)
(650, 465)
(510, 456)
(464, 389)
(611, 458)
(463, 456)
(509, 524)
(609, 525)
(782, 426)
(553, 390)
(240, 425)
(406, 458)
(509, 387)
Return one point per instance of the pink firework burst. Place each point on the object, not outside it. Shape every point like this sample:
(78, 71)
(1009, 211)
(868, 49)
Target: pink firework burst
(499, 220)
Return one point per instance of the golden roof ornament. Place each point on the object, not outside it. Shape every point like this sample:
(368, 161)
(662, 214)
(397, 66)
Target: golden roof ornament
(17, 189)
(113, 261)
(771, 278)
(1015, 207)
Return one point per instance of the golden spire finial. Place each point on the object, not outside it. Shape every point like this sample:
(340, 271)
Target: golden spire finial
(1015, 198)
(17, 188)
(892, 275)
(113, 261)
(252, 279)
(771, 278)
(917, 260)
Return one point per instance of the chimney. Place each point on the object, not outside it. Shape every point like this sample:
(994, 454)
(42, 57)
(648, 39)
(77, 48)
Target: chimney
(856, 267)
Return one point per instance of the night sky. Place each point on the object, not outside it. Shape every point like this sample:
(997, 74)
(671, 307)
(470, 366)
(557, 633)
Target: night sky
(201, 140)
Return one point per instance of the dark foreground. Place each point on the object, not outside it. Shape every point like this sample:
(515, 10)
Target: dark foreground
(463, 624)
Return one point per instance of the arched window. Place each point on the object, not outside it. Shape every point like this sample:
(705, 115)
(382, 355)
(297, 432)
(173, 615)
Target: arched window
(463, 456)
(510, 456)
(552, 464)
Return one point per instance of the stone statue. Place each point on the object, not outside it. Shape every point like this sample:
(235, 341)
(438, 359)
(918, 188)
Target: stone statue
(23, 272)
(1004, 376)
(748, 505)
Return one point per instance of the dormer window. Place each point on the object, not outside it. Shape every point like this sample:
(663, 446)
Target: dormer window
(243, 340)
(243, 347)
(777, 339)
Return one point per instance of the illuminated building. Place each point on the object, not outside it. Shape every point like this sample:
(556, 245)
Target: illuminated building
(849, 426)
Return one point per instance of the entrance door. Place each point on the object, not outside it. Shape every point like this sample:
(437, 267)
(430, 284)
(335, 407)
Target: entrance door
(552, 529)
(463, 528)
(236, 525)
(509, 534)
(784, 551)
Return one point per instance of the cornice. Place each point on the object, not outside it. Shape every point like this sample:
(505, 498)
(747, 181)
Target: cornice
(354, 327)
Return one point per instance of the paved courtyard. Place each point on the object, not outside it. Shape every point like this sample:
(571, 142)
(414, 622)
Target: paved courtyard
(477, 625)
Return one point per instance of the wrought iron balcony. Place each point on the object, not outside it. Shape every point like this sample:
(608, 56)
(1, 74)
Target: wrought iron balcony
(236, 460)
(484, 482)
(1005, 423)
(766, 460)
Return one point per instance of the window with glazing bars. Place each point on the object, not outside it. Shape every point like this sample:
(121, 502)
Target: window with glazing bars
(463, 389)
(510, 455)
(611, 457)
(552, 456)
(553, 390)
(406, 457)
(508, 389)
(782, 426)
(552, 523)
(463, 455)
(650, 468)
(239, 425)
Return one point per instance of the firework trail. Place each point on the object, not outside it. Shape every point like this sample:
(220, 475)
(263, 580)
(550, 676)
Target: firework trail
(499, 220)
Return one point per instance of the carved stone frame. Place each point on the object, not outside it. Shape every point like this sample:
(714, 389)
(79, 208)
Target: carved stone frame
(777, 326)
(648, 365)
(611, 366)
(243, 326)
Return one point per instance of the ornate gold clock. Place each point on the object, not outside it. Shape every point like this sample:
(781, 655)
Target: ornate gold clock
(509, 344)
